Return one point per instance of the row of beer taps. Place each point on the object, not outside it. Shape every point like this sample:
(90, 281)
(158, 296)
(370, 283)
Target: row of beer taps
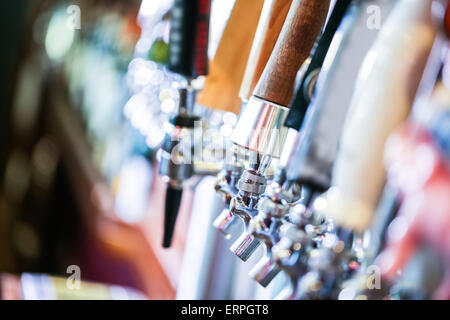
(315, 174)
(309, 166)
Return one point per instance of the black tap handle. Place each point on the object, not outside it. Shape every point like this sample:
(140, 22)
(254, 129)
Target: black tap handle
(188, 42)
(301, 100)
(172, 206)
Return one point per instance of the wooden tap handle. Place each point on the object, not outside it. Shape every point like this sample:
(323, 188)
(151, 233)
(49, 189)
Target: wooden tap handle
(298, 35)
(269, 27)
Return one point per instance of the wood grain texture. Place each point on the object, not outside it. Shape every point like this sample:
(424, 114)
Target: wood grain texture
(269, 27)
(300, 30)
(222, 85)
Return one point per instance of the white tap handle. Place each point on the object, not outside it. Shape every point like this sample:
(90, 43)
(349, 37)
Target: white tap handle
(384, 94)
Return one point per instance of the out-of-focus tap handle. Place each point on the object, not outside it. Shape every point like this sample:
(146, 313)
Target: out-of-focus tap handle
(264, 271)
(311, 161)
(228, 66)
(175, 172)
(188, 42)
(188, 56)
(386, 88)
(298, 35)
(270, 23)
(303, 94)
(424, 216)
(447, 21)
(172, 206)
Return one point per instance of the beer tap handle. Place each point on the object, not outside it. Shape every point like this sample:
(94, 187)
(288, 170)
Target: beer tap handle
(171, 208)
(260, 126)
(188, 57)
(222, 85)
(306, 86)
(270, 23)
(385, 91)
(298, 35)
(188, 40)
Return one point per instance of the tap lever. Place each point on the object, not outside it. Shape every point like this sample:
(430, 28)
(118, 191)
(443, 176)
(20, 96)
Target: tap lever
(172, 205)
(225, 222)
(245, 246)
(264, 271)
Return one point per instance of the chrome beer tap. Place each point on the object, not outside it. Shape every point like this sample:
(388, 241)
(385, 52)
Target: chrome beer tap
(291, 254)
(270, 23)
(310, 163)
(329, 266)
(227, 187)
(283, 193)
(260, 127)
(188, 58)
(244, 205)
(176, 163)
(386, 88)
(265, 227)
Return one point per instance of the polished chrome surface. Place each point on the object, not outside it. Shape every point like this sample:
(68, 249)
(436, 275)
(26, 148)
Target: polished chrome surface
(252, 183)
(225, 222)
(264, 271)
(260, 127)
(245, 246)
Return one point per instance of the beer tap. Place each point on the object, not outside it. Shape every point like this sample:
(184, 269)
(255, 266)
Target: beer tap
(311, 160)
(309, 157)
(290, 254)
(226, 186)
(265, 227)
(378, 106)
(260, 127)
(328, 266)
(271, 21)
(281, 193)
(384, 94)
(188, 58)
